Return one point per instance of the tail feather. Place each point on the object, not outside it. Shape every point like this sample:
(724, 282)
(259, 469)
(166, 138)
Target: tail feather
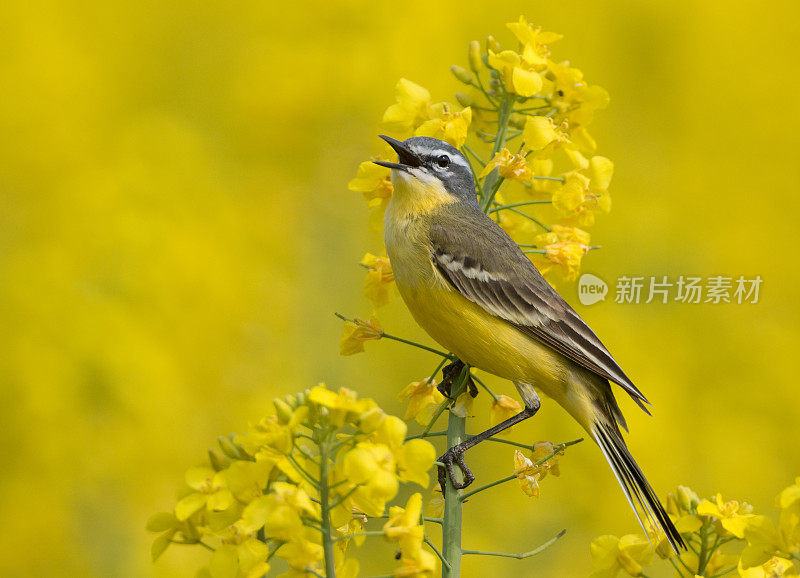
(640, 494)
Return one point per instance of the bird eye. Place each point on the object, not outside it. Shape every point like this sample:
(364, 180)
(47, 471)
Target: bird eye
(443, 161)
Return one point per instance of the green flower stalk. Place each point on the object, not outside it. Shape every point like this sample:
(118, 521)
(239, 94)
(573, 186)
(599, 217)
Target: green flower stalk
(300, 486)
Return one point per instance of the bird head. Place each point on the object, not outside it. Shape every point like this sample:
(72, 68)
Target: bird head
(427, 165)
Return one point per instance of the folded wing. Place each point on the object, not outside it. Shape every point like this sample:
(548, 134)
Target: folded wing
(488, 268)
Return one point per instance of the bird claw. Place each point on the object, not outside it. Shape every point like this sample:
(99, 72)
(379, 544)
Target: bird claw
(451, 456)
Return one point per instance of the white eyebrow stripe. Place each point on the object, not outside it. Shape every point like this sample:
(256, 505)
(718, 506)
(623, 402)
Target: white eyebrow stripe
(460, 161)
(457, 159)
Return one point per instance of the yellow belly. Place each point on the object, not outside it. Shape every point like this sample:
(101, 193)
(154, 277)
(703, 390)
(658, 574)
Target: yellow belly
(481, 340)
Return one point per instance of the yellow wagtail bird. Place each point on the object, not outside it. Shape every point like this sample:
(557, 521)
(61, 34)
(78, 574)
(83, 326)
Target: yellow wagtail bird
(469, 285)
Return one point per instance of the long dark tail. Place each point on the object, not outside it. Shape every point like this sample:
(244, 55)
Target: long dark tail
(640, 494)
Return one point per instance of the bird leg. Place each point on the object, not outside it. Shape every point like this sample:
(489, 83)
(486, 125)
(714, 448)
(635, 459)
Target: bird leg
(450, 373)
(455, 455)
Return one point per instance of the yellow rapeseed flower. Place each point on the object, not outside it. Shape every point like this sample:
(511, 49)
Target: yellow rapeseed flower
(423, 565)
(600, 171)
(379, 278)
(539, 132)
(269, 432)
(210, 492)
(611, 554)
(435, 506)
(526, 474)
(247, 479)
(765, 539)
(247, 558)
(356, 332)
(510, 166)
(278, 512)
(343, 404)
(582, 140)
(562, 234)
(774, 567)
(518, 74)
(371, 467)
(540, 451)
(374, 182)
(423, 399)
(404, 526)
(532, 36)
(446, 124)
(413, 457)
(529, 474)
(585, 191)
(302, 553)
(463, 405)
(566, 257)
(790, 496)
(346, 567)
(503, 408)
(731, 517)
(353, 529)
(410, 111)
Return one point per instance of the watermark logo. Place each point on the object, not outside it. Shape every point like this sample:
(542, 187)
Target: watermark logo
(591, 289)
(632, 289)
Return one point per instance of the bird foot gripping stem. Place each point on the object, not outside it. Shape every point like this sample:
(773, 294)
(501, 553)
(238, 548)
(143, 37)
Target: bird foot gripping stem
(454, 456)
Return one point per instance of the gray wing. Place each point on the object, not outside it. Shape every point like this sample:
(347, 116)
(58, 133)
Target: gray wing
(485, 265)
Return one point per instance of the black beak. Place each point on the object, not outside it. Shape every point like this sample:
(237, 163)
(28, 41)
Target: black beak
(406, 157)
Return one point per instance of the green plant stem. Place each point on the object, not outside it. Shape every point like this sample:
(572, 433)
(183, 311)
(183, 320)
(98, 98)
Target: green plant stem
(425, 518)
(308, 477)
(395, 338)
(451, 523)
(487, 486)
(435, 371)
(493, 180)
(417, 345)
(325, 513)
(527, 216)
(486, 387)
(278, 544)
(368, 533)
(340, 500)
(703, 557)
(502, 124)
(445, 563)
(547, 178)
(500, 207)
(520, 556)
(441, 408)
(198, 542)
(677, 568)
(427, 435)
(685, 565)
(474, 155)
(558, 448)
(480, 87)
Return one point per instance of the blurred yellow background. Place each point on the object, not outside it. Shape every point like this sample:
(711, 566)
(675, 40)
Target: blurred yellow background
(176, 233)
